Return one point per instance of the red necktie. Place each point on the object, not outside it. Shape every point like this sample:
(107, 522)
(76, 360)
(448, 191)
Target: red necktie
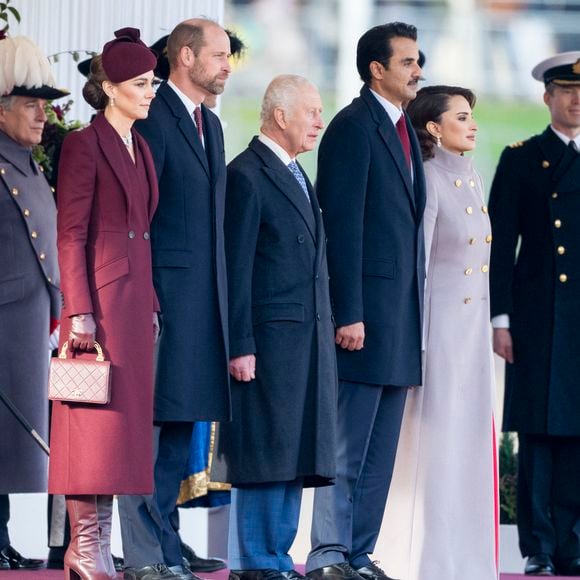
(198, 122)
(404, 137)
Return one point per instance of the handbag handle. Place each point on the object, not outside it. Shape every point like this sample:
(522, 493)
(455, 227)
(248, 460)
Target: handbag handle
(100, 356)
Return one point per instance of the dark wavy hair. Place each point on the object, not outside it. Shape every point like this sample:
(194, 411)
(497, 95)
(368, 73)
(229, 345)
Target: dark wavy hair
(93, 92)
(429, 105)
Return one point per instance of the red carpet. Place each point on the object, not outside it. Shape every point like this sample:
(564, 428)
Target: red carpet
(221, 575)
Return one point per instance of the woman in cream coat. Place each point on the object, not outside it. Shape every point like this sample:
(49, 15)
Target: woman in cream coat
(442, 512)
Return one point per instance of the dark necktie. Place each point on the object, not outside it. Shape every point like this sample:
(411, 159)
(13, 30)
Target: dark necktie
(404, 137)
(295, 170)
(198, 122)
(573, 145)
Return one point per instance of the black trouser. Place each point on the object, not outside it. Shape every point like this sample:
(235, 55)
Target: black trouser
(548, 498)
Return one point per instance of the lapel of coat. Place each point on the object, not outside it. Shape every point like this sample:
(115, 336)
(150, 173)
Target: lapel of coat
(185, 123)
(286, 183)
(151, 175)
(566, 163)
(388, 134)
(212, 149)
(320, 234)
(108, 143)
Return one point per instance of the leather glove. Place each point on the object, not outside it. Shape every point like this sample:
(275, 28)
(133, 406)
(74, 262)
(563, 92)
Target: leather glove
(54, 338)
(82, 333)
(156, 327)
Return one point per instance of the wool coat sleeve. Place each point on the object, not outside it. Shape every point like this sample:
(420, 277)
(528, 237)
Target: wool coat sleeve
(76, 189)
(343, 166)
(241, 226)
(505, 221)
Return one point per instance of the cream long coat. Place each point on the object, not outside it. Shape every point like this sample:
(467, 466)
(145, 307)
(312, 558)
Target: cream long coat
(441, 514)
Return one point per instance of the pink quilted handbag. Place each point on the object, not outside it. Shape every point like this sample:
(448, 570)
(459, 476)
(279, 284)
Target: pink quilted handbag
(80, 381)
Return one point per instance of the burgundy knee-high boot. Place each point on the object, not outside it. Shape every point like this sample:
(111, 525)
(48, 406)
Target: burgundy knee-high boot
(105, 518)
(83, 559)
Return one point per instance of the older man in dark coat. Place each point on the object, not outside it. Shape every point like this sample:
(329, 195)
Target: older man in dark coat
(535, 302)
(282, 437)
(189, 272)
(29, 277)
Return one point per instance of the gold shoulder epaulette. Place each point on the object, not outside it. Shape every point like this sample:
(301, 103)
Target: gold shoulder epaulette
(516, 144)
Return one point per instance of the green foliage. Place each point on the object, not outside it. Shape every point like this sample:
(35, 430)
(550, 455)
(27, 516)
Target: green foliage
(7, 11)
(508, 479)
(76, 55)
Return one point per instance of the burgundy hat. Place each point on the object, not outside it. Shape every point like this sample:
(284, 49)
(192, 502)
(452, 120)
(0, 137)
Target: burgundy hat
(127, 56)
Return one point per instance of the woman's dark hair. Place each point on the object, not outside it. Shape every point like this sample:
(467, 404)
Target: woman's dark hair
(429, 105)
(93, 92)
(375, 44)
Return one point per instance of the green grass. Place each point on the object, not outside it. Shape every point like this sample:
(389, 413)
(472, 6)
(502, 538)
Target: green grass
(500, 123)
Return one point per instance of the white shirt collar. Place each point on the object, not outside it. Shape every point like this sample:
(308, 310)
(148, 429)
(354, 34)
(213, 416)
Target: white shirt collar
(189, 104)
(279, 151)
(393, 112)
(565, 138)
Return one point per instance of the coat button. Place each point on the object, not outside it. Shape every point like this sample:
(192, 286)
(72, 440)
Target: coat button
(53, 190)
(146, 235)
(469, 210)
(472, 241)
(300, 239)
(563, 278)
(34, 234)
(42, 255)
(471, 183)
(555, 195)
(484, 268)
(317, 316)
(458, 183)
(484, 208)
(26, 212)
(131, 234)
(488, 239)
(545, 164)
(557, 223)
(3, 171)
(41, 168)
(467, 300)
(49, 279)
(561, 250)
(468, 271)
(15, 191)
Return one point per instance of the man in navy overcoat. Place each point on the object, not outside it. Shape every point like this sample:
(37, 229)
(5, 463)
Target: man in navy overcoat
(189, 273)
(372, 192)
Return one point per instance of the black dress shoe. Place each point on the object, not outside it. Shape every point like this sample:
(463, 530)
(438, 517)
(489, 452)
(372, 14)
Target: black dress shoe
(373, 572)
(340, 571)
(539, 565)
(197, 564)
(265, 574)
(293, 575)
(119, 563)
(10, 559)
(152, 572)
(569, 567)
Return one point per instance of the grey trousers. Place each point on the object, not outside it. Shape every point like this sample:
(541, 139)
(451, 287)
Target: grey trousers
(347, 516)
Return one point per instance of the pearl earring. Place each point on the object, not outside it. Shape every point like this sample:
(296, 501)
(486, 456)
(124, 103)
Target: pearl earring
(438, 141)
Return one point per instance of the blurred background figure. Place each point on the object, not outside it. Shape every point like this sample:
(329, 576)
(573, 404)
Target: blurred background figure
(29, 277)
(535, 301)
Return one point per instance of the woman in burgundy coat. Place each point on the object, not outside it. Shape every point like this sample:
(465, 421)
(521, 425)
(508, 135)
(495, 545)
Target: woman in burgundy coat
(107, 196)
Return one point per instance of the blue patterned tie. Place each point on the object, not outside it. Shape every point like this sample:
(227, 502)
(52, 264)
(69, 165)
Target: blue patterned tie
(295, 170)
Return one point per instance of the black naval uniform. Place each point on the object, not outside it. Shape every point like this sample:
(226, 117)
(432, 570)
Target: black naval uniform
(535, 201)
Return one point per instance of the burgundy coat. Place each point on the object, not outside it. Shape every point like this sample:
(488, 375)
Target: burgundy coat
(104, 213)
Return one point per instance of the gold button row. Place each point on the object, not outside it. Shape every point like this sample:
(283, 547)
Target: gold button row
(563, 278)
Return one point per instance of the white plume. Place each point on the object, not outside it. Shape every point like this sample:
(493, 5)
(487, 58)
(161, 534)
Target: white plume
(22, 64)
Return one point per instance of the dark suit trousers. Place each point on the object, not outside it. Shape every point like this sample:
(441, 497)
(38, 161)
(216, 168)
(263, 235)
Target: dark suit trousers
(146, 530)
(4, 517)
(347, 516)
(548, 495)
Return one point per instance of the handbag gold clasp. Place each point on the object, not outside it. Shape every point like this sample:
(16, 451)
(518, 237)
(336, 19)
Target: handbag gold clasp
(100, 356)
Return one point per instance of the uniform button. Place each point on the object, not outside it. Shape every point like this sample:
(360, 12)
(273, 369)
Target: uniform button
(318, 317)
(131, 234)
(468, 271)
(467, 300)
(484, 208)
(561, 250)
(471, 183)
(555, 195)
(42, 255)
(472, 241)
(469, 210)
(563, 278)
(41, 168)
(316, 277)
(26, 212)
(15, 191)
(52, 189)
(545, 164)
(458, 183)
(557, 223)
(49, 279)
(300, 239)
(3, 171)
(488, 238)
(34, 234)
(484, 268)
(146, 235)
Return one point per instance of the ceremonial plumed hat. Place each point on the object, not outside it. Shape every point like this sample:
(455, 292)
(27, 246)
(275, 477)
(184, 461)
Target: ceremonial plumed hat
(25, 70)
(127, 56)
(561, 69)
